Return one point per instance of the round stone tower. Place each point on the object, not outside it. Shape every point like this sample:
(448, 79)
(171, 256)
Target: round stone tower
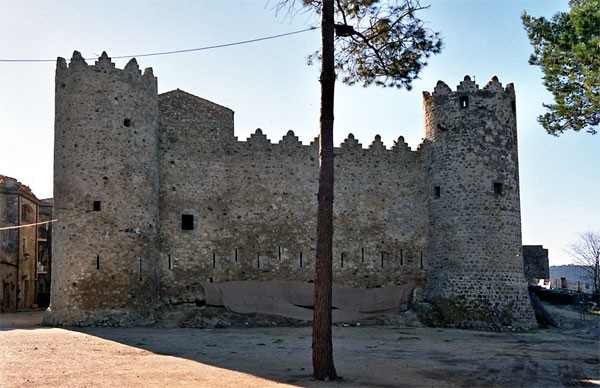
(476, 275)
(106, 177)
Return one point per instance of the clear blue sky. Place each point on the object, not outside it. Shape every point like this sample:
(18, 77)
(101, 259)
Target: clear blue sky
(269, 85)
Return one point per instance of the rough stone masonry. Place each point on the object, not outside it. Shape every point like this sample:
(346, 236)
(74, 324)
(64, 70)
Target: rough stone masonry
(159, 205)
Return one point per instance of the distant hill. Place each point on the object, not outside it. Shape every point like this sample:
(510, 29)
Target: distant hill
(575, 274)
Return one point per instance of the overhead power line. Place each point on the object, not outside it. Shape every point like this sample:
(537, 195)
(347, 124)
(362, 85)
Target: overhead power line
(179, 51)
(79, 214)
(26, 225)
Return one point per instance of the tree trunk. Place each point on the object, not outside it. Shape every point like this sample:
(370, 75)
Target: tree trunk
(322, 346)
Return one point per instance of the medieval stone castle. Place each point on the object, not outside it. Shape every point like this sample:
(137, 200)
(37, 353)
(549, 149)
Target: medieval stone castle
(159, 204)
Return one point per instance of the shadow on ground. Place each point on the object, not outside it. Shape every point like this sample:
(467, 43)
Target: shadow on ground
(365, 356)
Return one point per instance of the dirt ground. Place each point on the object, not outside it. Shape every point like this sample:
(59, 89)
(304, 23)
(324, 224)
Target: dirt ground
(374, 356)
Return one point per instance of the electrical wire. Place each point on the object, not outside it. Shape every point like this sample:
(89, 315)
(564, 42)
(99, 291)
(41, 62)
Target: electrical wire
(178, 51)
(26, 225)
(46, 222)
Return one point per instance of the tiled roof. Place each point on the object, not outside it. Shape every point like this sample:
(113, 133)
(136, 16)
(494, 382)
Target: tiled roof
(8, 183)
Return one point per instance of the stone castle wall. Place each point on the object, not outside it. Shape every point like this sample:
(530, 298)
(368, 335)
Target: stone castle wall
(475, 220)
(106, 193)
(184, 203)
(253, 205)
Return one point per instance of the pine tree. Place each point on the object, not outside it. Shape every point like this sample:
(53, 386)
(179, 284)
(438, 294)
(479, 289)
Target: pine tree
(567, 48)
(369, 42)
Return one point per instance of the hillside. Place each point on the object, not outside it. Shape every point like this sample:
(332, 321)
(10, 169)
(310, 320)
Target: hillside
(573, 273)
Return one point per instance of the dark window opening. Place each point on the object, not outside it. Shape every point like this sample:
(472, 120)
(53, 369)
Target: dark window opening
(498, 188)
(187, 222)
(127, 123)
(463, 101)
(437, 192)
(97, 206)
(25, 212)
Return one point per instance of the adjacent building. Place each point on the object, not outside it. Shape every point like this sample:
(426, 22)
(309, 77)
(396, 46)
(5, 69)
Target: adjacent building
(24, 247)
(535, 263)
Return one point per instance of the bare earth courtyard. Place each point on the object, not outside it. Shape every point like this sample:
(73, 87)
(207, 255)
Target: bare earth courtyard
(374, 356)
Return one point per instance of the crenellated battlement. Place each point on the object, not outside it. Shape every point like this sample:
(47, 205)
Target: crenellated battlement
(260, 145)
(468, 86)
(259, 141)
(103, 65)
(448, 113)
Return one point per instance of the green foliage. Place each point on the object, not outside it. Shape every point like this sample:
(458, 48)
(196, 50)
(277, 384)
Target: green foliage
(567, 48)
(387, 45)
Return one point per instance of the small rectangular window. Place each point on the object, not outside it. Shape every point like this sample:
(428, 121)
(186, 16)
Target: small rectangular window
(464, 101)
(97, 206)
(127, 122)
(498, 188)
(437, 192)
(187, 222)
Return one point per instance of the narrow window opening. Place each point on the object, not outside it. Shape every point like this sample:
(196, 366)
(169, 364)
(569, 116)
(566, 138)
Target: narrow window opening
(127, 123)
(236, 255)
(382, 262)
(401, 257)
(97, 206)
(214, 264)
(498, 188)
(258, 260)
(170, 265)
(187, 222)
(362, 255)
(300, 259)
(421, 260)
(464, 101)
(279, 254)
(97, 261)
(26, 213)
(342, 261)
(437, 192)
